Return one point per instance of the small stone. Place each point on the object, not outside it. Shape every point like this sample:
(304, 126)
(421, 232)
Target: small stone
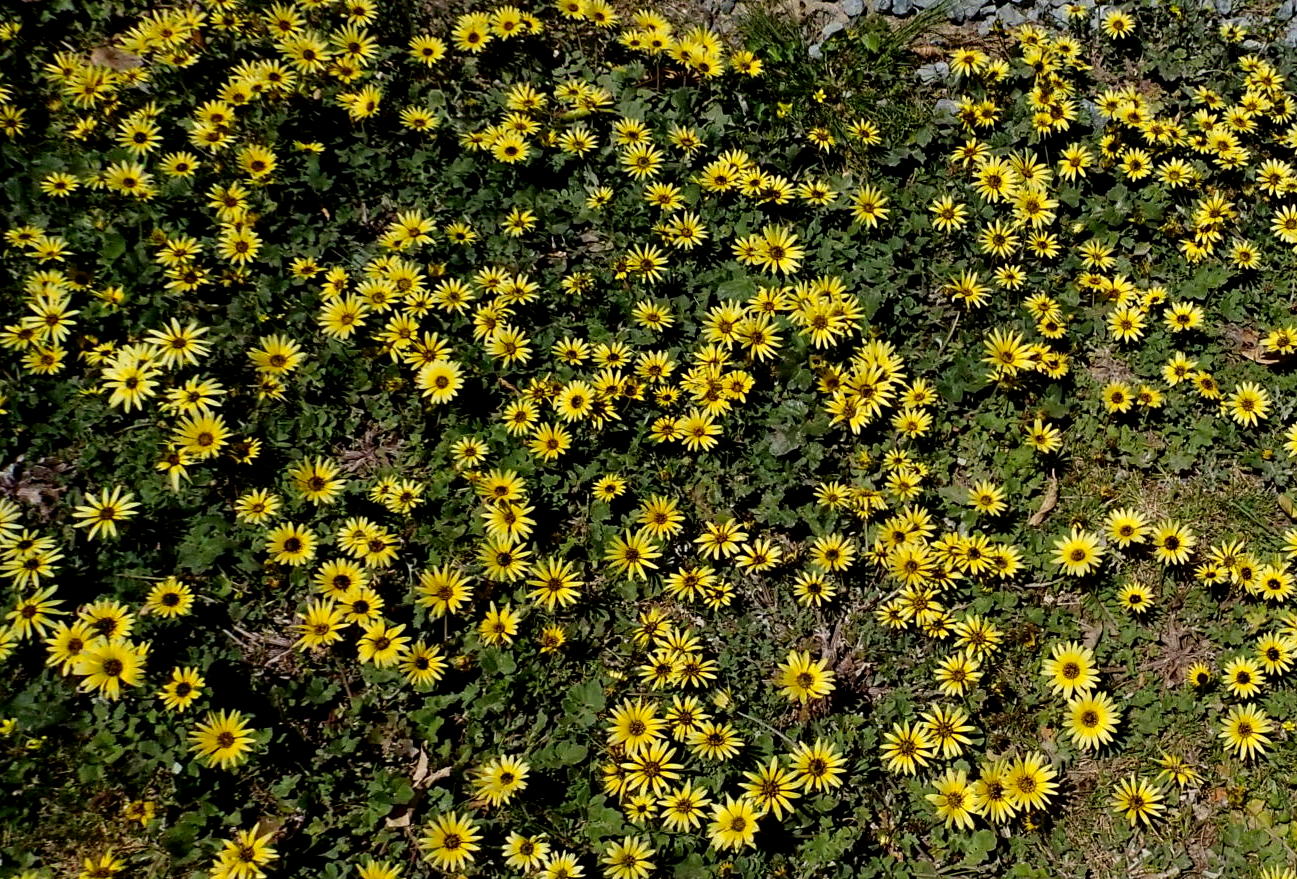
(902, 7)
(828, 30)
(1009, 17)
(968, 10)
(1290, 36)
(930, 73)
(946, 105)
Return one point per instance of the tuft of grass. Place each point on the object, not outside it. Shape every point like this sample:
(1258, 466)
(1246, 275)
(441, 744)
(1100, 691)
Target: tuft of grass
(1216, 502)
(869, 67)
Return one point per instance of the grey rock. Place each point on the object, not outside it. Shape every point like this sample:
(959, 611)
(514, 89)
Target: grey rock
(969, 10)
(815, 50)
(945, 105)
(902, 7)
(852, 8)
(1006, 16)
(1290, 36)
(930, 73)
(1009, 17)
(1287, 10)
(830, 29)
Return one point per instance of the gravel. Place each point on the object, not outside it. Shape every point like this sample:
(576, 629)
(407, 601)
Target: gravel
(986, 14)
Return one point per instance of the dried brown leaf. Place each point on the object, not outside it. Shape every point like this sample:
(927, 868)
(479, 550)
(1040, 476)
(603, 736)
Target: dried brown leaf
(1047, 502)
(1247, 341)
(117, 59)
(1286, 504)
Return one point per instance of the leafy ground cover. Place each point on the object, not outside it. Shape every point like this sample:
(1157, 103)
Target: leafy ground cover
(571, 441)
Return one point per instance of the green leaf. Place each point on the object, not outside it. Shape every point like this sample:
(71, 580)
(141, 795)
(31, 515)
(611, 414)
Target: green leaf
(980, 844)
(114, 246)
(691, 868)
(570, 753)
(498, 662)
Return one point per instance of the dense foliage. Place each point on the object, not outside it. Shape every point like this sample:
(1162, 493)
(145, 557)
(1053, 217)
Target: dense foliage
(571, 441)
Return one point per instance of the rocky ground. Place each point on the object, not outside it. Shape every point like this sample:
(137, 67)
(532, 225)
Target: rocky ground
(979, 17)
